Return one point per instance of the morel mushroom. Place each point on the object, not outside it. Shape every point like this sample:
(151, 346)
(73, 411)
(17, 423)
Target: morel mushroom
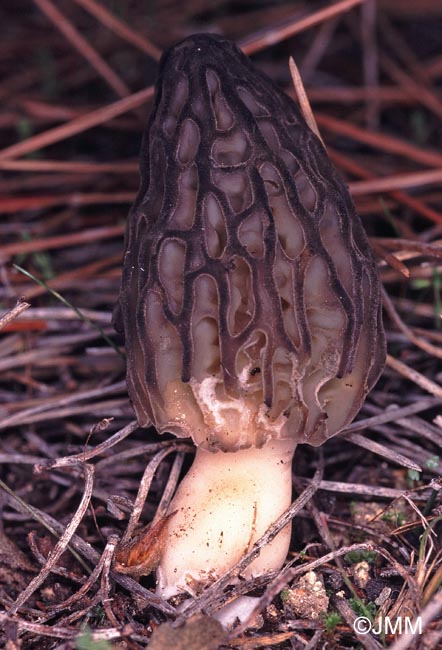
(250, 302)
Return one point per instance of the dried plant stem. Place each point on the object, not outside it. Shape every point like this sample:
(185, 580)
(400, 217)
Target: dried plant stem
(382, 141)
(69, 168)
(118, 27)
(91, 580)
(89, 454)
(77, 125)
(287, 574)
(417, 340)
(59, 631)
(416, 377)
(87, 551)
(276, 35)
(303, 99)
(106, 586)
(396, 182)
(84, 48)
(393, 414)
(145, 484)
(430, 612)
(24, 416)
(62, 543)
(170, 487)
(377, 448)
(349, 615)
(13, 313)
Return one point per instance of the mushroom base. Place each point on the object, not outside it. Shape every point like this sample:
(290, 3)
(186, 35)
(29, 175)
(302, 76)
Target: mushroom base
(224, 504)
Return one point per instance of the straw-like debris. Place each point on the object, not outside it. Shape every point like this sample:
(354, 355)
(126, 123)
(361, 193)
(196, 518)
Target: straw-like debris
(84, 490)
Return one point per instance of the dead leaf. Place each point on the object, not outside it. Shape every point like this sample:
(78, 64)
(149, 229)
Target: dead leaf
(141, 555)
(198, 633)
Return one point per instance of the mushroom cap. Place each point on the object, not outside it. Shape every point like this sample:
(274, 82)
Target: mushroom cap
(250, 300)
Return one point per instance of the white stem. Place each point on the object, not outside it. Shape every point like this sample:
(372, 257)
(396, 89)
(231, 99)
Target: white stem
(224, 504)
